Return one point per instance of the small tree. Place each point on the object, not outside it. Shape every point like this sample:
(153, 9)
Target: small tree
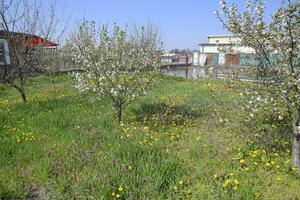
(276, 46)
(118, 65)
(55, 62)
(21, 24)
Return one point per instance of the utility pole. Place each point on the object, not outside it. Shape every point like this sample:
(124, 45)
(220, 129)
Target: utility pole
(186, 65)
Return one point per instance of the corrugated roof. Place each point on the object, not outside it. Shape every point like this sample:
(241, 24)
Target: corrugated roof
(32, 39)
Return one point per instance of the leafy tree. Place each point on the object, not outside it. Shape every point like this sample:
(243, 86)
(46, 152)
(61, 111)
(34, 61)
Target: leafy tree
(276, 44)
(119, 64)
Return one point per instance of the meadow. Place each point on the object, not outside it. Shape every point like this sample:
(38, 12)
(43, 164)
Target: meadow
(184, 140)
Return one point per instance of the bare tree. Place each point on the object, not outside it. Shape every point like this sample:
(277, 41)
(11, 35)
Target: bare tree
(27, 29)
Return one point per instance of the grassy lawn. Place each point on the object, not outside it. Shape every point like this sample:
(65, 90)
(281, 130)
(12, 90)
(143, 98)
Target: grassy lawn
(183, 140)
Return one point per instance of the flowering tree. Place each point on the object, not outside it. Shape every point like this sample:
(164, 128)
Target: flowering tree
(276, 46)
(119, 65)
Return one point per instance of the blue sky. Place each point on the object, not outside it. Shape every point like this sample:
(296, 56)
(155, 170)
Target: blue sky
(182, 23)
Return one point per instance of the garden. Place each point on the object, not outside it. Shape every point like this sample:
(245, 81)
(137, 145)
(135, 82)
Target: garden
(184, 140)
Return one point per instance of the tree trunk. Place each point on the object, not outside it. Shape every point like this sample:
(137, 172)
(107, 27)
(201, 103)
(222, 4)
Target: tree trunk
(23, 95)
(296, 142)
(119, 114)
(296, 148)
(21, 91)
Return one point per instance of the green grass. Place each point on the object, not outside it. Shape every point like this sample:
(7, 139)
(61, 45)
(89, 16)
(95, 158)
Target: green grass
(180, 141)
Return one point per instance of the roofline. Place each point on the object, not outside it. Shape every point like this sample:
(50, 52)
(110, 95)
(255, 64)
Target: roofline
(50, 43)
(212, 44)
(214, 36)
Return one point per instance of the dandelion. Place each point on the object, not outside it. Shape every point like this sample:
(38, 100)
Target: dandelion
(236, 182)
(120, 188)
(180, 182)
(226, 183)
(242, 161)
(117, 195)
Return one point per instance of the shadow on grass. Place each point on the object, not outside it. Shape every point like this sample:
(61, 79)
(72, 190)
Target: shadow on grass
(165, 113)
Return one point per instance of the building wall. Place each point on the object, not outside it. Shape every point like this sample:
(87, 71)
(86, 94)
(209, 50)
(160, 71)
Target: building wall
(240, 55)
(215, 49)
(232, 59)
(196, 58)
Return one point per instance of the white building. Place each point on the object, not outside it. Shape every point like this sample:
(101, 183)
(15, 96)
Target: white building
(223, 49)
(169, 58)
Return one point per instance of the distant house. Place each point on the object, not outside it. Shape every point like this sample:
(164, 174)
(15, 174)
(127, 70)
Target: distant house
(167, 58)
(223, 50)
(23, 42)
(175, 59)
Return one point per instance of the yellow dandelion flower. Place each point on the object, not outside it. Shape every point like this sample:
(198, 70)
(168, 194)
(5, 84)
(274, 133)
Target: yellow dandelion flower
(242, 161)
(120, 188)
(117, 195)
(113, 194)
(236, 182)
(226, 183)
(180, 182)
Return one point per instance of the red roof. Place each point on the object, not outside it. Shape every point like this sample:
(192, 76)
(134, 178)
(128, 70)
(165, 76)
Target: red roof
(34, 40)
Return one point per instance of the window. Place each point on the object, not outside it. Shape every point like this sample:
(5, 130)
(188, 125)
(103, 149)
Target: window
(4, 52)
